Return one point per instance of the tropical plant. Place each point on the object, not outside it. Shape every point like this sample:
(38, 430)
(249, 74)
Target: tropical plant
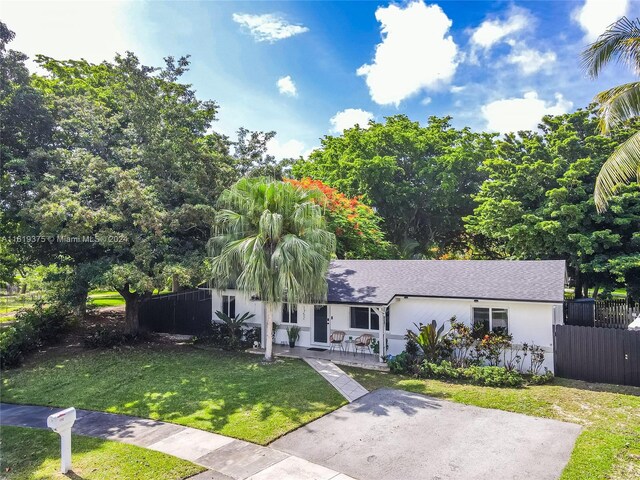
(270, 240)
(293, 332)
(619, 43)
(234, 326)
(461, 341)
(430, 339)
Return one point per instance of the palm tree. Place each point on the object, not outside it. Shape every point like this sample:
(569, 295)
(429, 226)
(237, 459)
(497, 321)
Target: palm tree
(270, 240)
(621, 43)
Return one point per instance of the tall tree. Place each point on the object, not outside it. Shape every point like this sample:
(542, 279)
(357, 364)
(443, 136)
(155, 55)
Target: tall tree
(619, 43)
(271, 241)
(26, 126)
(420, 179)
(537, 203)
(128, 189)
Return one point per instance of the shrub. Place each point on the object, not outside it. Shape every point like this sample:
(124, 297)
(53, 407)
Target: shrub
(101, 337)
(231, 335)
(399, 363)
(431, 340)
(234, 328)
(32, 329)
(488, 375)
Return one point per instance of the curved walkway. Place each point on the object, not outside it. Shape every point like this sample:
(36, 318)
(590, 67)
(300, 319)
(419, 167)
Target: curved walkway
(225, 457)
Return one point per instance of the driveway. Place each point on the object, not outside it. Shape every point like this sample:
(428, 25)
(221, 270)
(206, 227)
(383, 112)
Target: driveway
(392, 434)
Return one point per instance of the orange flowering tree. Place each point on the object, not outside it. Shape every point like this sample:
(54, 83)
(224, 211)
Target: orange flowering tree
(356, 225)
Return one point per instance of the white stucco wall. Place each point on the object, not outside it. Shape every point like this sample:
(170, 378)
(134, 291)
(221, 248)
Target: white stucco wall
(528, 322)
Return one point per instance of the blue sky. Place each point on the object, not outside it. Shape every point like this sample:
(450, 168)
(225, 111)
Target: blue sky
(308, 69)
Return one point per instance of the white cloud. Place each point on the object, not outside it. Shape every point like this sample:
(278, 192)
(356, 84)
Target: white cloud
(457, 88)
(530, 60)
(287, 87)
(289, 149)
(596, 15)
(94, 31)
(493, 31)
(349, 118)
(417, 28)
(514, 114)
(268, 27)
(425, 101)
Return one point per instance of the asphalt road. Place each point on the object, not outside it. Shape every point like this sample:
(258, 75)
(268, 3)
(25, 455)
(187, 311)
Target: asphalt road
(396, 435)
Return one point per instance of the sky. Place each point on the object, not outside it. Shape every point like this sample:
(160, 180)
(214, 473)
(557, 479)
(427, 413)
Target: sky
(313, 68)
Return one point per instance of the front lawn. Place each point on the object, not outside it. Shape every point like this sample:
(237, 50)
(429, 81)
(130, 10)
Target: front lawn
(609, 446)
(35, 454)
(228, 393)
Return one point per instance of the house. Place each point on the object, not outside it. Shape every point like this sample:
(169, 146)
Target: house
(523, 298)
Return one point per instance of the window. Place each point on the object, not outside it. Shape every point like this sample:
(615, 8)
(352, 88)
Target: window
(360, 317)
(487, 320)
(229, 305)
(365, 318)
(289, 313)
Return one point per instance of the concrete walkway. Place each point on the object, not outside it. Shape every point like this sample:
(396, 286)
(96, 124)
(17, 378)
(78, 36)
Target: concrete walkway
(225, 457)
(347, 386)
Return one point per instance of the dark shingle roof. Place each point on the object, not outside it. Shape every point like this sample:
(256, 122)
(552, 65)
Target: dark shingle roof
(378, 281)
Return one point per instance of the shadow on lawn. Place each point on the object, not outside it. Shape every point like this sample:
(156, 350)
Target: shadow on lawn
(240, 398)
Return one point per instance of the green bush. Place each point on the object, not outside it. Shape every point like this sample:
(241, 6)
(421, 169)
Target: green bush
(479, 375)
(101, 337)
(398, 363)
(32, 329)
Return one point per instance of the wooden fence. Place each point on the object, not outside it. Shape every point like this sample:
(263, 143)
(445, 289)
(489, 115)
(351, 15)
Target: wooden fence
(607, 355)
(187, 313)
(600, 313)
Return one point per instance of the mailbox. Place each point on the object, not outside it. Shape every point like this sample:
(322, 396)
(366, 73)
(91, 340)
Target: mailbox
(61, 423)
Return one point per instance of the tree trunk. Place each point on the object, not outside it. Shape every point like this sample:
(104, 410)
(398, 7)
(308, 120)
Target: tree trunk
(585, 291)
(175, 284)
(578, 285)
(131, 309)
(23, 289)
(80, 303)
(268, 348)
(596, 289)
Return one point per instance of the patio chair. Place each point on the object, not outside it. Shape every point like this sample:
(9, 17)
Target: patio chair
(363, 342)
(336, 339)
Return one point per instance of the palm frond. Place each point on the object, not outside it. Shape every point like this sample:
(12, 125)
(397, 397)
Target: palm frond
(620, 43)
(618, 104)
(270, 239)
(621, 168)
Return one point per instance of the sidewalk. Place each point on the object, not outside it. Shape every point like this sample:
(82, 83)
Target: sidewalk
(225, 457)
(347, 386)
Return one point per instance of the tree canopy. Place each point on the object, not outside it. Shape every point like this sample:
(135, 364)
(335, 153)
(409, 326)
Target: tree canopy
(537, 203)
(420, 179)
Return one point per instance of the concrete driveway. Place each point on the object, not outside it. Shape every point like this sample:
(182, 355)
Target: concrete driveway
(396, 435)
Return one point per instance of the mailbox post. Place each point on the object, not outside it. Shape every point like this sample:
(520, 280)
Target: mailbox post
(61, 423)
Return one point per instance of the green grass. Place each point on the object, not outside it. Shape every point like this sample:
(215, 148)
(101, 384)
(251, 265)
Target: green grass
(105, 299)
(608, 447)
(231, 394)
(35, 454)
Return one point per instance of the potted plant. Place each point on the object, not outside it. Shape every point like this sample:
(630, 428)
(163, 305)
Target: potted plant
(293, 332)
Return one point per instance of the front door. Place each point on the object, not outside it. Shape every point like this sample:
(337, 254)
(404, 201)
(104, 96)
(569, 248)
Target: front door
(320, 324)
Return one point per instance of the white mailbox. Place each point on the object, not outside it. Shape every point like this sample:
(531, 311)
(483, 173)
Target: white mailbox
(61, 423)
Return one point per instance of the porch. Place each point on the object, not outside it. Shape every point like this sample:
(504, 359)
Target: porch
(361, 360)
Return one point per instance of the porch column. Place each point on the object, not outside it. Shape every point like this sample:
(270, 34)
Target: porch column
(382, 346)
